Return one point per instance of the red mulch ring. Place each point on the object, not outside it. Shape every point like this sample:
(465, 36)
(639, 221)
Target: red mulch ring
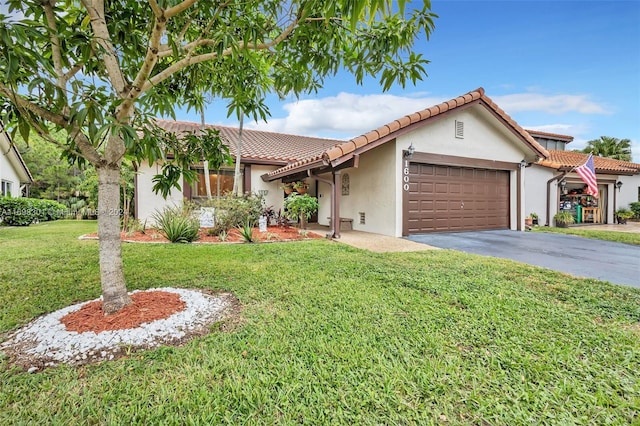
(146, 307)
(274, 233)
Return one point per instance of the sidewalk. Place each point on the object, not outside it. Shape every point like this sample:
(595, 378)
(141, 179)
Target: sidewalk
(373, 242)
(633, 227)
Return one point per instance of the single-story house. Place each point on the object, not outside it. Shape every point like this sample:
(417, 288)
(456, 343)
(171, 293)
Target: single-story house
(261, 152)
(460, 165)
(15, 177)
(552, 184)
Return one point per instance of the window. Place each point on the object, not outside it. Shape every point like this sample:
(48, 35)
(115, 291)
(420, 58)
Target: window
(224, 178)
(6, 188)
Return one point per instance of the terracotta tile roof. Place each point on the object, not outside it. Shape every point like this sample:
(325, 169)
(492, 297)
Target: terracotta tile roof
(570, 159)
(537, 133)
(387, 130)
(259, 145)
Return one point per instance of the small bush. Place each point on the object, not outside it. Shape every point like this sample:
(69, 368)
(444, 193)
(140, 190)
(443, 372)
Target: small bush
(635, 208)
(235, 212)
(25, 211)
(301, 207)
(177, 224)
(624, 214)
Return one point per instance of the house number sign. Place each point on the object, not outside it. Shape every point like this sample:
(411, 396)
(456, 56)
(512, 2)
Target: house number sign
(405, 176)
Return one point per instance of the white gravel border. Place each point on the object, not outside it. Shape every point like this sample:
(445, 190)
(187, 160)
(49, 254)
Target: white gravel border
(45, 342)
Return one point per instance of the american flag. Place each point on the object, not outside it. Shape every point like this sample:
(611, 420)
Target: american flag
(588, 174)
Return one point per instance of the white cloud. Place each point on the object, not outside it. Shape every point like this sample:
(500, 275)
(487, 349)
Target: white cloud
(346, 114)
(550, 104)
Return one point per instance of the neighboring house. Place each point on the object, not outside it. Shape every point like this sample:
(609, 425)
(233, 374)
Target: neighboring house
(552, 185)
(465, 172)
(15, 177)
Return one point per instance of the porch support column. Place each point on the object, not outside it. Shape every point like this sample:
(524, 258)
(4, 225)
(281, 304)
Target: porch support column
(615, 200)
(557, 178)
(335, 220)
(520, 218)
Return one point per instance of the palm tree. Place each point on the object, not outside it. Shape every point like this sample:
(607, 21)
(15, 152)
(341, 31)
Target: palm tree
(607, 146)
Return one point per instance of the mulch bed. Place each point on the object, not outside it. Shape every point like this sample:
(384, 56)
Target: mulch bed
(146, 307)
(274, 233)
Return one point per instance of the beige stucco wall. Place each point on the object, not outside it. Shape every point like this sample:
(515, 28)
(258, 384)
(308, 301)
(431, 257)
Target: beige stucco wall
(149, 202)
(535, 186)
(484, 137)
(8, 173)
(630, 190)
(275, 196)
(9, 161)
(372, 191)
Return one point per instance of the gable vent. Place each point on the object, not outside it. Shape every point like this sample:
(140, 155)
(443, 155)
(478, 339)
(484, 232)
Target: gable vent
(361, 218)
(459, 129)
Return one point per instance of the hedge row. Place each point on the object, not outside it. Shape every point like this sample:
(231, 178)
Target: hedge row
(25, 211)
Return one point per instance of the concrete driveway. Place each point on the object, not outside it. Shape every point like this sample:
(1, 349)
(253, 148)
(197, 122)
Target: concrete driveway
(617, 263)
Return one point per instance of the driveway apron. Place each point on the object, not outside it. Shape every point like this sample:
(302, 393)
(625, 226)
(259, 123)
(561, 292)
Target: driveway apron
(617, 263)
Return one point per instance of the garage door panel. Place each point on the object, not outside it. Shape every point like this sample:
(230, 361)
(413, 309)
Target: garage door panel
(438, 192)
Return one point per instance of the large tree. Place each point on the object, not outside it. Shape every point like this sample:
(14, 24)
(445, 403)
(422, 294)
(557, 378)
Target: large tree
(607, 146)
(101, 69)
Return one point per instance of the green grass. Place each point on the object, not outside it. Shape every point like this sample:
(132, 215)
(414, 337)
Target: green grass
(333, 335)
(619, 237)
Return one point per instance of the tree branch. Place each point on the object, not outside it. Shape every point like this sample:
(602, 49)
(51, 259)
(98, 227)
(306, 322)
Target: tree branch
(150, 59)
(192, 60)
(95, 8)
(157, 10)
(56, 54)
(173, 11)
(27, 105)
(87, 150)
(73, 71)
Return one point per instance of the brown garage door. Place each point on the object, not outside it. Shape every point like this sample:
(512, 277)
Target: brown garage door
(446, 198)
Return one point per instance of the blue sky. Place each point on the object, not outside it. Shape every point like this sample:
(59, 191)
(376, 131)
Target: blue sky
(569, 67)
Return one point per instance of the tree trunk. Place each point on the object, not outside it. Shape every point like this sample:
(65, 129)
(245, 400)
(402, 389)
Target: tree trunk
(114, 290)
(207, 177)
(237, 175)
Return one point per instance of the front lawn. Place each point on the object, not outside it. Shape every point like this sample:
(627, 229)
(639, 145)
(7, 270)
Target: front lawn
(616, 236)
(332, 335)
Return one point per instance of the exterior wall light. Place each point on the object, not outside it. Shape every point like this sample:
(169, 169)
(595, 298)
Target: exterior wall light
(563, 184)
(618, 185)
(523, 164)
(263, 192)
(409, 152)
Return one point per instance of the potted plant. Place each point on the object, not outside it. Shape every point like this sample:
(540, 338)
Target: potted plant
(287, 187)
(622, 215)
(564, 219)
(301, 207)
(534, 218)
(528, 221)
(301, 187)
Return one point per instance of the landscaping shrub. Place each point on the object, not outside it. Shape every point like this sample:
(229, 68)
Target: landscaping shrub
(635, 208)
(235, 212)
(25, 211)
(47, 210)
(177, 224)
(301, 207)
